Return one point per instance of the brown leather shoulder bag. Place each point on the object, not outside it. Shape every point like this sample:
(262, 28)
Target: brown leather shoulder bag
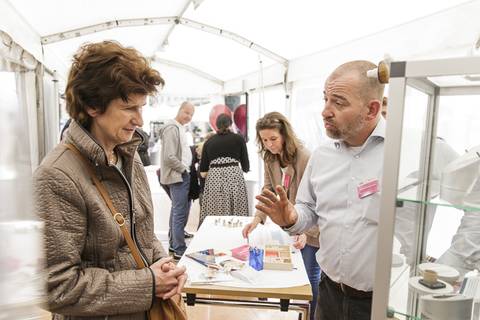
(170, 309)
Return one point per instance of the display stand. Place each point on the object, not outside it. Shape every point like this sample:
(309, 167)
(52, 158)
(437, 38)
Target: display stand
(433, 106)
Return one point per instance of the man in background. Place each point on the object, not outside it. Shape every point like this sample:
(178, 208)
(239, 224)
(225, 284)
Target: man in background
(175, 161)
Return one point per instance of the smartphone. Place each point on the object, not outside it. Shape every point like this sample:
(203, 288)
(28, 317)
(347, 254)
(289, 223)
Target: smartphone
(435, 285)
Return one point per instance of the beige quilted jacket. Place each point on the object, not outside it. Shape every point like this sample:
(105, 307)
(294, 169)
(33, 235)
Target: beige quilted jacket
(91, 273)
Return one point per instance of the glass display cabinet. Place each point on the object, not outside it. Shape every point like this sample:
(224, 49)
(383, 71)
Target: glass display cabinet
(429, 228)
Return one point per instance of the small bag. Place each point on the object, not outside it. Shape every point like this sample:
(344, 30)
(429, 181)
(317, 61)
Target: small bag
(170, 309)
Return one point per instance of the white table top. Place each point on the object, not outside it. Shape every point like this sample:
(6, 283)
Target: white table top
(224, 238)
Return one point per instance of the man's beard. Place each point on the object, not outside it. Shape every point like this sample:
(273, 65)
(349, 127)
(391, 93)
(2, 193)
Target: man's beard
(351, 130)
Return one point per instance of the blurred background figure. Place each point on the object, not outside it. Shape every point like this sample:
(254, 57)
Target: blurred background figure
(175, 162)
(143, 148)
(199, 150)
(406, 218)
(225, 191)
(384, 107)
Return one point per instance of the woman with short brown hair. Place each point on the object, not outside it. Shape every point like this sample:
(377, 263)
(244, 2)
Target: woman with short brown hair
(102, 72)
(91, 271)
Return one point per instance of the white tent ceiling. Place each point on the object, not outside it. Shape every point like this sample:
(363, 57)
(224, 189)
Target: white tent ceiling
(288, 28)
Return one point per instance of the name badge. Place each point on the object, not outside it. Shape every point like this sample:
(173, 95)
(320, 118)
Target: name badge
(286, 181)
(367, 188)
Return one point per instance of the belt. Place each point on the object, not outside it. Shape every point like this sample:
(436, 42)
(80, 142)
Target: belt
(347, 290)
(228, 164)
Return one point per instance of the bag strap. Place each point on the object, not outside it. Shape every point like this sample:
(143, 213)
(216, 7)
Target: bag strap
(117, 216)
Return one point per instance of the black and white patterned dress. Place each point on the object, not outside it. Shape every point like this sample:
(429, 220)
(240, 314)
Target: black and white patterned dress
(225, 192)
(224, 157)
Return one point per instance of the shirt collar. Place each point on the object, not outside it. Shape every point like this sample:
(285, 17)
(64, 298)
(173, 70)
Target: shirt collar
(379, 130)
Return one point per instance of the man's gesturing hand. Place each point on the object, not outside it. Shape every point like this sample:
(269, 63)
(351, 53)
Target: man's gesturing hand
(278, 208)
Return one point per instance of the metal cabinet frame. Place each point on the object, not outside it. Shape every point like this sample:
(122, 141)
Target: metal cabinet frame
(414, 74)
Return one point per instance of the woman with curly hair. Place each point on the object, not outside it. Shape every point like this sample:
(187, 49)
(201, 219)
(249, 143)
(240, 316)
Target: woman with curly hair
(92, 274)
(285, 159)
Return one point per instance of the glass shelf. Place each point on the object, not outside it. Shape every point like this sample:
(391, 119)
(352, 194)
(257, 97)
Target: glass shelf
(431, 180)
(441, 203)
(412, 193)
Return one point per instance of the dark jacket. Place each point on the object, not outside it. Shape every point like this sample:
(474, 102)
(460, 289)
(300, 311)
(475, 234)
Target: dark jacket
(230, 145)
(194, 190)
(143, 148)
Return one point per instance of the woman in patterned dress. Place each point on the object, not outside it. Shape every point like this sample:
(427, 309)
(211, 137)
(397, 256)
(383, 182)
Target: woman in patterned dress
(225, 191)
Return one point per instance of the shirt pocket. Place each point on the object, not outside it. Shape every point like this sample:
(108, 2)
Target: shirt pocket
(371, 208)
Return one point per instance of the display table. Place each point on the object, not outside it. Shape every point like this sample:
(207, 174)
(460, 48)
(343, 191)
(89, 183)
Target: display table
(282, 285)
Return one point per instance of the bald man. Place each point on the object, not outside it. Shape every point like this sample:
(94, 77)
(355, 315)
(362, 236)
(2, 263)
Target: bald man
(176, 158)
(340, 192)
